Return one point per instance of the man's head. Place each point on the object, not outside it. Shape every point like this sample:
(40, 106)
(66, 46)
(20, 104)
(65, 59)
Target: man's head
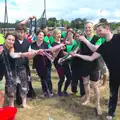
(89, 28)
(102, 29)
(20, 31)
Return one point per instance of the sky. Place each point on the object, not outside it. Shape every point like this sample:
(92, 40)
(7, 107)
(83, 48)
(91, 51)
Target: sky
(92, 10)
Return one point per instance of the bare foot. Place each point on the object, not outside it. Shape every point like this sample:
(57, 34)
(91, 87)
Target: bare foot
(26, 106)
(86, 102)
(99, 112)
(102, 87)
(83, 98)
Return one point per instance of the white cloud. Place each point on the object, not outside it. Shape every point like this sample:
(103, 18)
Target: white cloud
(117, 13)
(66, 9)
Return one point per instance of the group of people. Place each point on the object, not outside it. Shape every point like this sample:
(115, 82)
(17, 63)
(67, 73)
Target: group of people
(77, 56)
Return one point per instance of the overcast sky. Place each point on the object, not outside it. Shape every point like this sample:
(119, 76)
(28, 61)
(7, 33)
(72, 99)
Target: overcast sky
(92, 10)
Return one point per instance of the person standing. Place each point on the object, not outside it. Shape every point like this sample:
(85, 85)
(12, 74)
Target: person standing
(110, 52)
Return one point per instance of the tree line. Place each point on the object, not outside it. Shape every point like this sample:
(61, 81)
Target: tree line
(77, 23)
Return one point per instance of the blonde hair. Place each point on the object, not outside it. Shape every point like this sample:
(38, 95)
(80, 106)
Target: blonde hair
(91, 24)
(55, 31)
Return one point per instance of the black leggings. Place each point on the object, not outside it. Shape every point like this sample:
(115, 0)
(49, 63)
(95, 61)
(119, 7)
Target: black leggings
(63, 71)
(45, 81)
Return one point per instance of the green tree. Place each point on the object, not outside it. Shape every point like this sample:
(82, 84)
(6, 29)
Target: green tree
(52, 22)
(78, 23)
(62, 22)
(66, 22)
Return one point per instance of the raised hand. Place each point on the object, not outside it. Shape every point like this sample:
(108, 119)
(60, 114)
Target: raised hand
(32, 17)
(82, 38)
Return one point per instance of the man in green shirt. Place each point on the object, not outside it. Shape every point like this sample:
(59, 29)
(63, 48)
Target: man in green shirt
(104, 73)
(90, 69)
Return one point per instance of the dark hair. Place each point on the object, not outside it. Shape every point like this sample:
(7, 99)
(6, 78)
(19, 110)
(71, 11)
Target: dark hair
(68, 27)
(43, 27)
(37, 33)
(103, 24)
(102, 20)
(9, 34)
(20, 27)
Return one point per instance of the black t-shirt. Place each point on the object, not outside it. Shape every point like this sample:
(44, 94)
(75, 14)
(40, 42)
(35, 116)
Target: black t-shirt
(21, 48)
(40, 61)
(84, 50)
(110, 51)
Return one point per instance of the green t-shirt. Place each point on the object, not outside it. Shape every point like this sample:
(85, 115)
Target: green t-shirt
(51, 39)
(102, 40)
(2, 39)
(49, 46)
(46, 39)
(99, 41)
(63, 34)
(70, 47)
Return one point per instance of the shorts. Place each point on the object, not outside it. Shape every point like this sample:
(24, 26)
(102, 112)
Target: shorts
(22, 80)
(93, 75)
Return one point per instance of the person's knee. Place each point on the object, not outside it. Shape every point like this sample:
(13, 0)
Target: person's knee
(11, 95)
(86, 80)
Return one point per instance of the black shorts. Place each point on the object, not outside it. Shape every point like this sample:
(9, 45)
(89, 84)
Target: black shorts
(94, 75)
(2, 70)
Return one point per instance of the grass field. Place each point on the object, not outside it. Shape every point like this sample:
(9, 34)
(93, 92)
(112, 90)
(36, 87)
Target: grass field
(62, 108)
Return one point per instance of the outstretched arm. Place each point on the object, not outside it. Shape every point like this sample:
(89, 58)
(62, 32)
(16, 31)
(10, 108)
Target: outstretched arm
(94, 56)
(26, 54)
(55, 48)
(67, 56)
(92, 47)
